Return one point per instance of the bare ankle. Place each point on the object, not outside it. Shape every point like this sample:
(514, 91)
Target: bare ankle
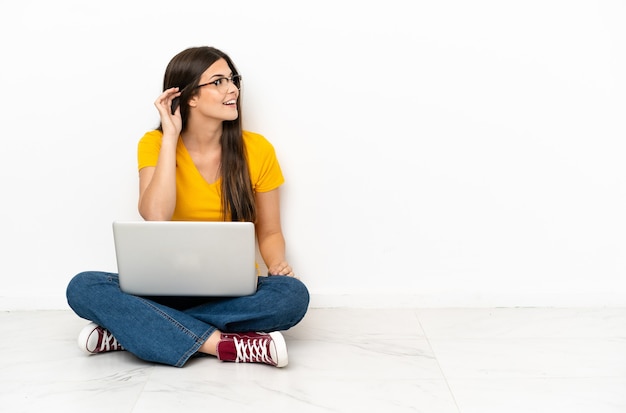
(210, 345)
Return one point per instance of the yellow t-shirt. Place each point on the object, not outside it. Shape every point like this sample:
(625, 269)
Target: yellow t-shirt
(197, 200)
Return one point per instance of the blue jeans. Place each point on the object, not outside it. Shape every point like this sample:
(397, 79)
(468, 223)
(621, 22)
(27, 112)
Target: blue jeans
(170, 330)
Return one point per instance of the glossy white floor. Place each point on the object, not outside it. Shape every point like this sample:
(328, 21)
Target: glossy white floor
(341, 360)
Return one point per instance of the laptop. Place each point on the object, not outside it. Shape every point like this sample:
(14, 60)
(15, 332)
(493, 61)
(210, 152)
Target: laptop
(184, 258)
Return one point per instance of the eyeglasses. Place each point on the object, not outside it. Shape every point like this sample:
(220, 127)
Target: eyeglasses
(222, 83)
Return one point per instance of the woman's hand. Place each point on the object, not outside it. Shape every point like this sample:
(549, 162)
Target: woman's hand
(171, 123)
(282, 268)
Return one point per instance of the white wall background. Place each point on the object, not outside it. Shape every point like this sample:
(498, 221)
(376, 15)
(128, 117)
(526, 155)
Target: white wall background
(449, 153)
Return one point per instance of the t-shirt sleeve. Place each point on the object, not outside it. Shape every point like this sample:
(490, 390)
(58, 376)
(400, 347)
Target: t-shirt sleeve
(148, 149)
(265, 171)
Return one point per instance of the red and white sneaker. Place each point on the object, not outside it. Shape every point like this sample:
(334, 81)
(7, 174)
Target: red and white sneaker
(94, 339)
(253, 348)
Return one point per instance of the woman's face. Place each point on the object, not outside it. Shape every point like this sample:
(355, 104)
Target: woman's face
(217, 93)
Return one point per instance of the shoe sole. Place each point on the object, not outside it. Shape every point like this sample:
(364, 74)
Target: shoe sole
(282, 359)
(83, 337)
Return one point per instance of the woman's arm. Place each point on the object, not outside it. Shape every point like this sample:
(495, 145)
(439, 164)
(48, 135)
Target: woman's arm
(269, 233)
(157, 184)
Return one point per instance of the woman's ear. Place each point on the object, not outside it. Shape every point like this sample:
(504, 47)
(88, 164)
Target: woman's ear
(193, 101)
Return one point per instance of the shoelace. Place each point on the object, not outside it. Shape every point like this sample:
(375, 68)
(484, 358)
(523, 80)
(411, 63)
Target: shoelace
(252, 350)
(108, 342)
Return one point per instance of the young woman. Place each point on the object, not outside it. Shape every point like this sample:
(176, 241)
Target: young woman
(199, 165)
